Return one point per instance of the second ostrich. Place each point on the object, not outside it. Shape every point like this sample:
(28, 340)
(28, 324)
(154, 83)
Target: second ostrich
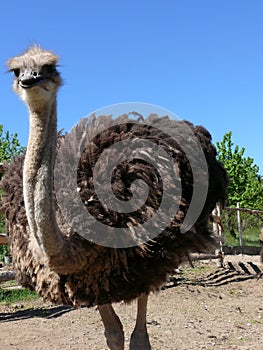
(58, 262)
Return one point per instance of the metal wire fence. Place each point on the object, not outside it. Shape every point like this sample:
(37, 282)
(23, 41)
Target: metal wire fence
(242, 226)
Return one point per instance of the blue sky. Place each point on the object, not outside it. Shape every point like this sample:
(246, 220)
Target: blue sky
(201, 59)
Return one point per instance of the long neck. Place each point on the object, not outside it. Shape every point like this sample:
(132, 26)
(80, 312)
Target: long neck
(64, 254)
(38, 179)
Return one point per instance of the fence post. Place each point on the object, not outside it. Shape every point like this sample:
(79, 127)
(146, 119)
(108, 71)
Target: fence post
(239, 228)
(218, 232)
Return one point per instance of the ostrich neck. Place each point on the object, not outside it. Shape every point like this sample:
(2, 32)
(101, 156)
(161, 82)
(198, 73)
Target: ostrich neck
(38, 180)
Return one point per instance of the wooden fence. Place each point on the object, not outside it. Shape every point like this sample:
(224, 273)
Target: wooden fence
(238, 211)
(3, 239)
(217, 228)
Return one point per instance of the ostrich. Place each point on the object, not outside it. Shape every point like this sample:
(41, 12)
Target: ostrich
(57, 262)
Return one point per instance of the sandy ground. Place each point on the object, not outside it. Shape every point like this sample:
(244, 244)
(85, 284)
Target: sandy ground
(205, 308)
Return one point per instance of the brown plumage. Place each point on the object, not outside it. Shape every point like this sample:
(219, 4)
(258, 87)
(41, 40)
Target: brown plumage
(112, 275)
(85, 273)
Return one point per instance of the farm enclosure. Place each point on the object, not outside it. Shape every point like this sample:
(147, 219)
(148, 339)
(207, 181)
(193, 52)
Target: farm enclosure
(208, 309)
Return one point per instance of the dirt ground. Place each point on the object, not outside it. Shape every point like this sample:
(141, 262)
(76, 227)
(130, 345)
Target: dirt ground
(203, 308)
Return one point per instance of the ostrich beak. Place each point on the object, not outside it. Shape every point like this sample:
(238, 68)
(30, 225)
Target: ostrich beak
(30, 78)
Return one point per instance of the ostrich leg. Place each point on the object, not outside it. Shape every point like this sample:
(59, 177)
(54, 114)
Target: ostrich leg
(113, 327)
(139, 337)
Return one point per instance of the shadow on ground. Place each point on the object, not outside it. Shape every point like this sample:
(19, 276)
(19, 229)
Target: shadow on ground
(231, 273)
(52, 312)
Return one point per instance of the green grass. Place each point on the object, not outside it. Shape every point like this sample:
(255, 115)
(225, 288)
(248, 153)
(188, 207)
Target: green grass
(10, 296)
(251, 227)
(250, 237)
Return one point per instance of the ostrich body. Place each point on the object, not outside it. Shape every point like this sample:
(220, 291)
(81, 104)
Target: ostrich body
(60, 264)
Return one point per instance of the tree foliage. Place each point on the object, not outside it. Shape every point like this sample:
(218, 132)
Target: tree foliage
(9, 145)
(245, 187)
(245, 181)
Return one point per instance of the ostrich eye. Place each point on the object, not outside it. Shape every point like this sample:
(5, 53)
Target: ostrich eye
(48, 68)
(16, 72)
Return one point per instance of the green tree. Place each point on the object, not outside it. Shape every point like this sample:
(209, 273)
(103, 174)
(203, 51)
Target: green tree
(9, 145)
(245, 181)
(245, 187)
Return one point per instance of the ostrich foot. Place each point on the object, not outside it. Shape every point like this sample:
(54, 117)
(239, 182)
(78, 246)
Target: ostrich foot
(140, 341)
(115, 339)
(139, 337)
(113, 328)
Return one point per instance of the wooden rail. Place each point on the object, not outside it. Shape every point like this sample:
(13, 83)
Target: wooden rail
(3, 239)
(250, 211)
(7, 275)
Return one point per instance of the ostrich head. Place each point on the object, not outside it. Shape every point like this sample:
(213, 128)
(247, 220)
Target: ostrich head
(36, 77)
